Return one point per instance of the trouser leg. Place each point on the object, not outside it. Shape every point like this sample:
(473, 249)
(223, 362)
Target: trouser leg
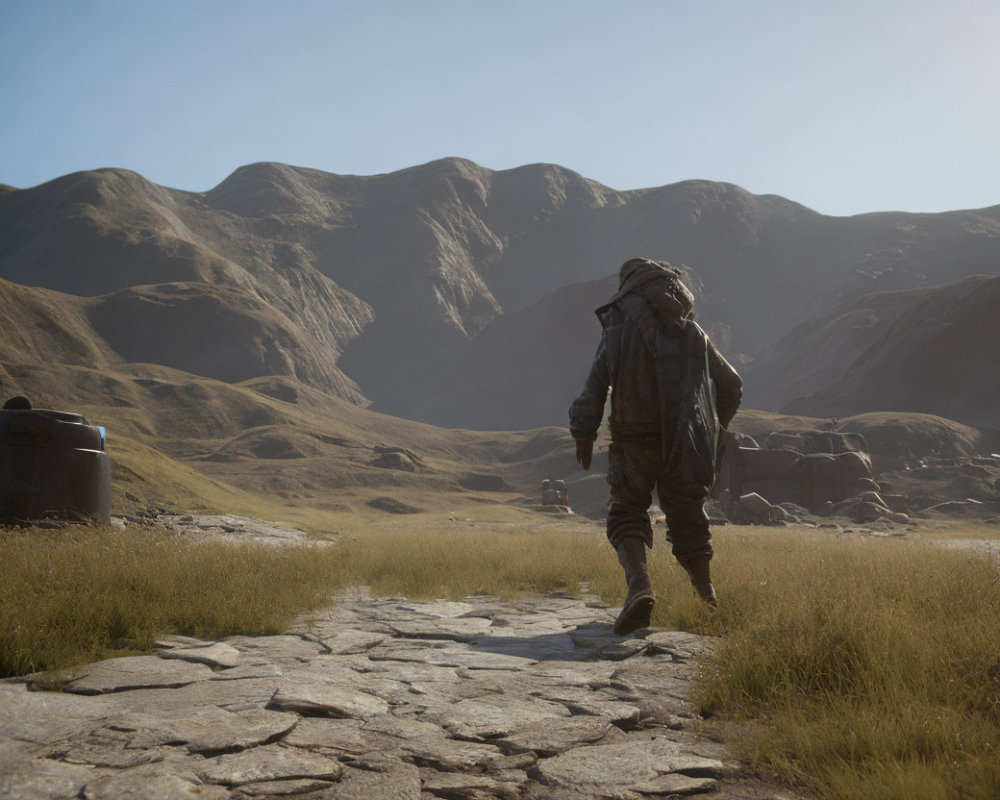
(630, 532)
(688, 532)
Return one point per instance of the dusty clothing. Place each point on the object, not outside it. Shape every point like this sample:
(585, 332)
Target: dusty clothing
(662, 371)
(634, 468)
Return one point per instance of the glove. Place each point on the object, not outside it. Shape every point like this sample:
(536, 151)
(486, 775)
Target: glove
(584, 452)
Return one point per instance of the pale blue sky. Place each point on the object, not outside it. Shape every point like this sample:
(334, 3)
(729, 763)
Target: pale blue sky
(846, 106)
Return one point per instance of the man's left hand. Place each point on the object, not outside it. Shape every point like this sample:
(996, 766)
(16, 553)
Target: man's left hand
(584, 452)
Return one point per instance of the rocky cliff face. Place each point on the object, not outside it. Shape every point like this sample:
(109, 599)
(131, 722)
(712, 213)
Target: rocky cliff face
(448, 292)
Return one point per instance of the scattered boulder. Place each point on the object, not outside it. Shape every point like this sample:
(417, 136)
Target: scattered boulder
(393, 506)
(752, 509)
(811, 480)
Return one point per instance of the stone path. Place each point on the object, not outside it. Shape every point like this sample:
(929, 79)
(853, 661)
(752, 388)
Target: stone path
(380, 699)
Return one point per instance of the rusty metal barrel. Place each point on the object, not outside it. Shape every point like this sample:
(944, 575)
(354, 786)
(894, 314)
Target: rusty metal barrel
(53, 464)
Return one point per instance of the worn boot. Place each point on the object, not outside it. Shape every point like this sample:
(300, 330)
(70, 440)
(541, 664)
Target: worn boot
(639, 602)
(701, 578)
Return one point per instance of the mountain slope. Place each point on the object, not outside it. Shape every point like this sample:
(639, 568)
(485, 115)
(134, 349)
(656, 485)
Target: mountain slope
(416, 289)
(935, 353)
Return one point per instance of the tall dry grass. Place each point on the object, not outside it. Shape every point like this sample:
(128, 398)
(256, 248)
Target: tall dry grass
(72, 595)
(870, 667)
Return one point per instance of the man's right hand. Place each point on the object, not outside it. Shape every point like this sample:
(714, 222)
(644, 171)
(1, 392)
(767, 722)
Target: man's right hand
(584, 452)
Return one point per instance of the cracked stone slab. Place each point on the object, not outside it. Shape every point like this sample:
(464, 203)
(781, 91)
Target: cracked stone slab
(493, 717)
(327, 700)
(680, 645)
(95, 754)
(455, 630)
(443, 609)
(276, 649)
(351, 642)
(49, 717)
(621, 767)
(401, 781)
(257, 670)
(585, 674)
(551, 737)
(592, 704)
(133, 786)
(271, 789)
(342, 735)
(269, 763)
(137, 672)
(217, 656)
(450, 755)
(483, 659)
(453, 785)
(43, 779)
(675, 785)
(207, 730)
(651, 678)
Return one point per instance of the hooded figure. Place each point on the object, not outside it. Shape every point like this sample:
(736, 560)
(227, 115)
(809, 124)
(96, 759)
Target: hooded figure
(671, 392)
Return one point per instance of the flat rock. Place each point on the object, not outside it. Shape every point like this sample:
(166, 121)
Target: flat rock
(207, 730)
(269, 763)
(133, 786)
(344, 735)
(553, 736)
(277, 649)
(285, 788)
(257, 670)
(490, 718)
(482, 659)
(218, 656)
(136, 672)
(675, 785)
(589, 674)
(348, 642)
(443, 609)
(399, 782)
(456, 630)
(450, 755)
(681, 646)
(48, 717)
(454, 785)
(115, 755)
(327, 700)
(42, 779)
(592, 704)
(615, 767)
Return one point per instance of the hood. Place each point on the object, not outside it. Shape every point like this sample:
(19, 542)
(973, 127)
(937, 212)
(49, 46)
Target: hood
(659, 284)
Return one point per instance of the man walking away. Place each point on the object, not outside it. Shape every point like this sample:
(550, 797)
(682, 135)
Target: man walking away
(671, 391)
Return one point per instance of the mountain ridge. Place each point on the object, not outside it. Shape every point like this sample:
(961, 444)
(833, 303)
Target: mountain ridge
(433, 281)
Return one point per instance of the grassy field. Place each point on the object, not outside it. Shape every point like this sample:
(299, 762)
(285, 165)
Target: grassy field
(851, 667)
